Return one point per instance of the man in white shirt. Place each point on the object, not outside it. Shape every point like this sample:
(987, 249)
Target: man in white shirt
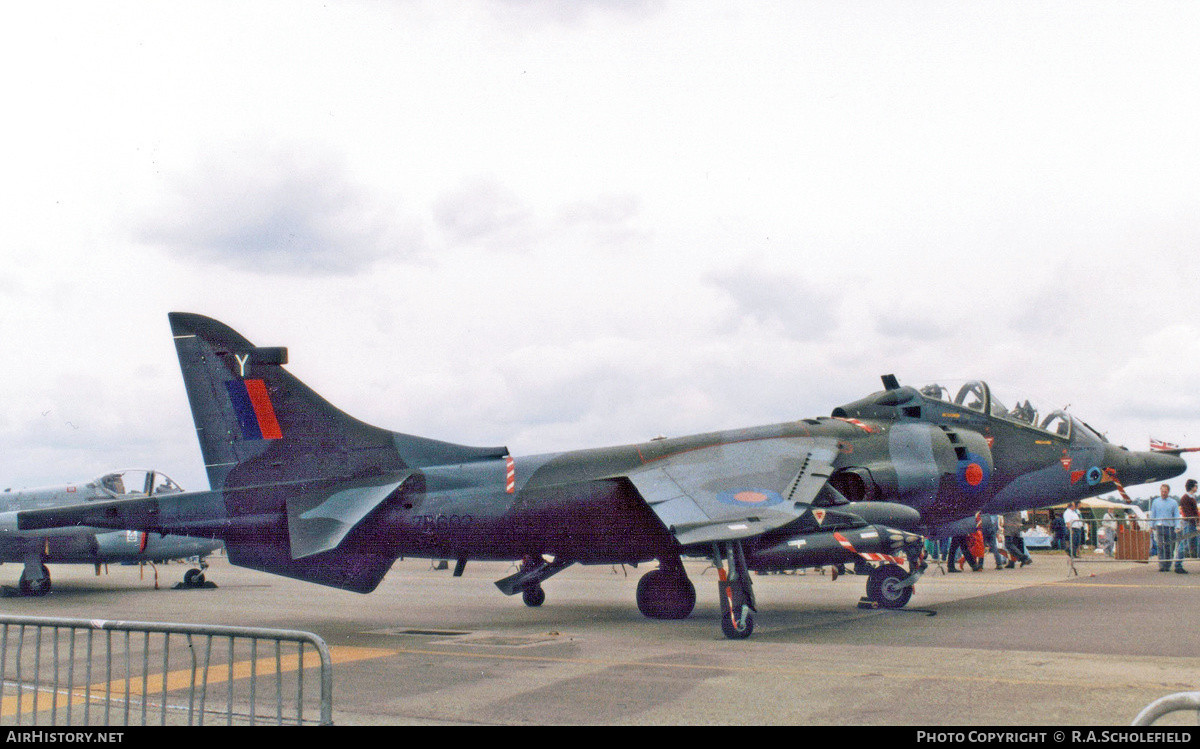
(1074, 522)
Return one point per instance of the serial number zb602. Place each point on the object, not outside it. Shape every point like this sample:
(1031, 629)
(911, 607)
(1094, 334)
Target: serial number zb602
(432, 523)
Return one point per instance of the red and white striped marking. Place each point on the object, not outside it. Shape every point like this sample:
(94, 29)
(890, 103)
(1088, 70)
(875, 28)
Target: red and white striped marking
(511, 480)
(870, 557)
(865, 427)
(1112, 475)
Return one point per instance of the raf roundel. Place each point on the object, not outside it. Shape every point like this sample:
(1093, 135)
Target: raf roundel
(973, 472)
(750, 497)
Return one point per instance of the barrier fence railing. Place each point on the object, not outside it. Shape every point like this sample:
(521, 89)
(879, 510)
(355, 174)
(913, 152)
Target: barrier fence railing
(79, 672)
(1130, 540)
(1172, 703)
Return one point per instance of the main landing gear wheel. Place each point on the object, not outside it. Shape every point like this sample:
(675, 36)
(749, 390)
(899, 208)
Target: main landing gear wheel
(193, 578)
(665, 595)
(884, 586)
(35, 587)
(533, 596)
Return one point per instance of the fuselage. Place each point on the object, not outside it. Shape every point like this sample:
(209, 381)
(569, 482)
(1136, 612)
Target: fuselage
(946, 461)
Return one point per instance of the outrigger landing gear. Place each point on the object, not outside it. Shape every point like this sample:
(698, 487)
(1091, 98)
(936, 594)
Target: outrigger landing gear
(666, 593)
(734, 590)
(533, 596)
(528, 579)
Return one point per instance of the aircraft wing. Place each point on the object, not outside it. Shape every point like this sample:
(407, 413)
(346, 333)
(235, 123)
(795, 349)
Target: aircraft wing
(735, 490)
(179, 513)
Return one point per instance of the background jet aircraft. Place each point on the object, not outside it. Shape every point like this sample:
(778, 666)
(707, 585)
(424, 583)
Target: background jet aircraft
(93, 545)
(301, 489)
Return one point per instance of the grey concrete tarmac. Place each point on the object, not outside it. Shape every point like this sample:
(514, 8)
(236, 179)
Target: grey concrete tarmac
(1031, 646)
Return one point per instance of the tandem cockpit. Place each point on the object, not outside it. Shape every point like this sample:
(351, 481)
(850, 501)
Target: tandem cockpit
(972, 396)
(977, 396)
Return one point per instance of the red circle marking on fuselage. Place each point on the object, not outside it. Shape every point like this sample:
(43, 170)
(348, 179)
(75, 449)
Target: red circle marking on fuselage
(974, 474)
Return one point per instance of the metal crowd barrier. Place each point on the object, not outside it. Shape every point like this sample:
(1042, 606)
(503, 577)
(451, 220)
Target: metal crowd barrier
(1172, 703)
(1129, 540)
(79, 672)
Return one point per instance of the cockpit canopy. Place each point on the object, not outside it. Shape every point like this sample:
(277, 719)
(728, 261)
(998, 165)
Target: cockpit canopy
(136, 482)
(977, 396)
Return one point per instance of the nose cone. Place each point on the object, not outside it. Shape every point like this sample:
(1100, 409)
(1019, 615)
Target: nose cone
(1164, 465)
(1146, 467)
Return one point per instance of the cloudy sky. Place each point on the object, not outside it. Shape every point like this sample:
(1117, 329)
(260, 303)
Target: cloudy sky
(556, 224)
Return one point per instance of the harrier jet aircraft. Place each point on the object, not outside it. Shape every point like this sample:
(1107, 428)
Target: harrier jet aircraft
(301, 489)
(74, 545)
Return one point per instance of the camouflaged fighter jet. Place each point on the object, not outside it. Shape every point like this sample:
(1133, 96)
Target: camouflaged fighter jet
(97, 546)
(301, 489)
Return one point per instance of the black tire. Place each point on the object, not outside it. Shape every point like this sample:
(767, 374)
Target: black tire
(533, 596)
(732, 624)
(883, 586)
(193, 578)
(730, 627)
(662, 595)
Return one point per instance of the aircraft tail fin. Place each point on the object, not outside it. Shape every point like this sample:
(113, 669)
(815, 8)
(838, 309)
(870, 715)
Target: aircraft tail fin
(259, 424)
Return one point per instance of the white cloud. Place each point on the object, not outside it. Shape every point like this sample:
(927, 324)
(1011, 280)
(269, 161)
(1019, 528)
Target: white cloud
(483, 212)
(288, 212)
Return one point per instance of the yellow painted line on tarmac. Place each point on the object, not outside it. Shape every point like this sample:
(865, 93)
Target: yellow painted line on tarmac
(181, 679)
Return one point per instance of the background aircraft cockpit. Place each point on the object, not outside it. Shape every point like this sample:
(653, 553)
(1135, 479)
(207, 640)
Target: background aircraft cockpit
(136, 482)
